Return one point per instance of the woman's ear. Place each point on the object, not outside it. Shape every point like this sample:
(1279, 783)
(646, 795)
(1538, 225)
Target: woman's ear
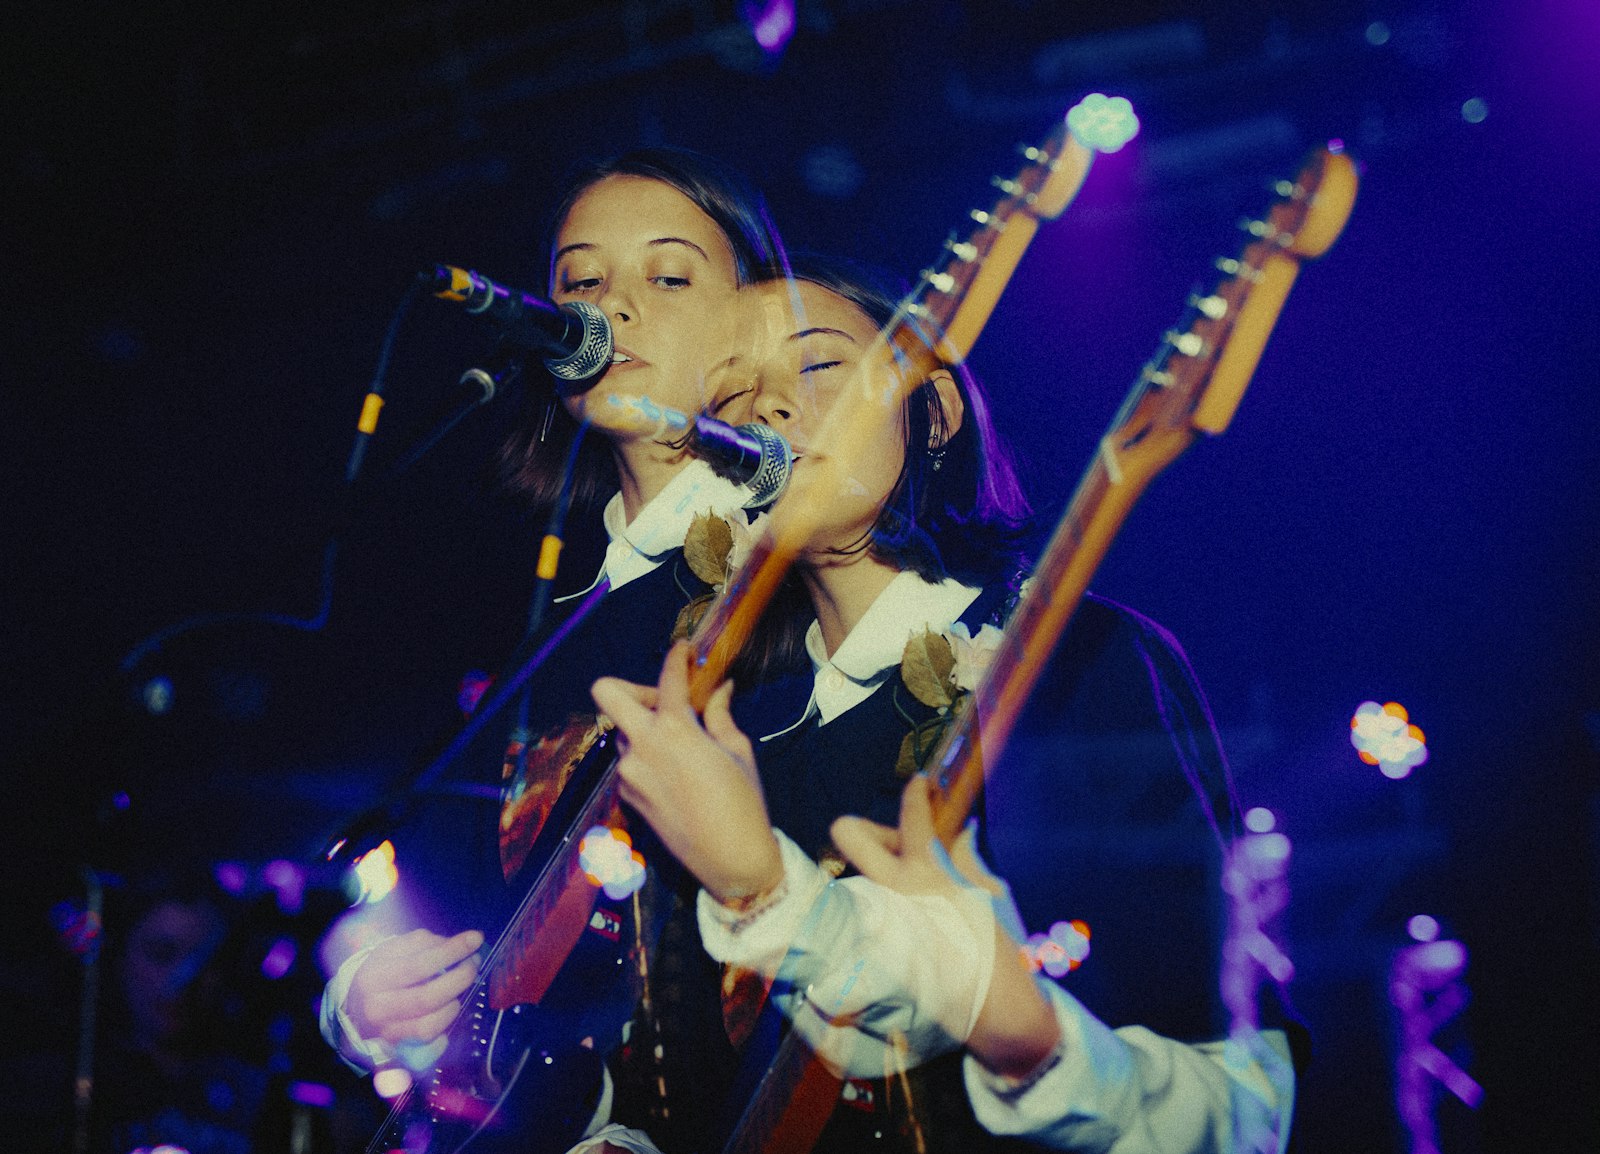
(950, 404)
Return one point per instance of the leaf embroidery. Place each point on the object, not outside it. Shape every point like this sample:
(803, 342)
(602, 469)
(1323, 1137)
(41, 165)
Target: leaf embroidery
(919, 743)
(690, 616)
(706, 548)
(926, 668)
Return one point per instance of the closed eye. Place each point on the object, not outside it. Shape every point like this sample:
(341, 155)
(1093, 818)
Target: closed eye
(716, 409)
(820, 366)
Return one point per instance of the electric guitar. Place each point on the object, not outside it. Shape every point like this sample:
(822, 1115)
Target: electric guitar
(1192, 385)
(564, 976)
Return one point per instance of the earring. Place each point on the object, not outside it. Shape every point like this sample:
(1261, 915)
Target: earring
(544, 426)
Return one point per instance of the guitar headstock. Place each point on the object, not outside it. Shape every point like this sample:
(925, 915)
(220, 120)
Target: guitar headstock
(1196, 379)
(955, 297)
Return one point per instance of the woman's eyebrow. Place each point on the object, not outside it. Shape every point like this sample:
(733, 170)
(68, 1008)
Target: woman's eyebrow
(585, 246)
(821, 332)
(680, 240)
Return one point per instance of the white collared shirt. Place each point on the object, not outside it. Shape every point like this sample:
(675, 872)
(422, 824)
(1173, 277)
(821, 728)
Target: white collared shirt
(639, 546)
(907, 606)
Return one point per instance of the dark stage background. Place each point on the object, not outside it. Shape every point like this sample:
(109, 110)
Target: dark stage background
(213, 210)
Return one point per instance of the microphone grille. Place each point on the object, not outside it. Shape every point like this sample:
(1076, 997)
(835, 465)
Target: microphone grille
(593, 353)
(772, 474)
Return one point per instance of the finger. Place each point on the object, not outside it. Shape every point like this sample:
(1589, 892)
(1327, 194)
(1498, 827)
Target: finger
(645, 695)
(916, 817)
(440, 955)
(674, 683)
(615, 700)
(423, 1030)
(964, 855)
(721, 726)
(411, 1002)
(872, 848)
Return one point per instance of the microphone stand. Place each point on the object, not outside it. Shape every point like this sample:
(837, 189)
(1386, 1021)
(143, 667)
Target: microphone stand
(88, 1011)
(530, 653)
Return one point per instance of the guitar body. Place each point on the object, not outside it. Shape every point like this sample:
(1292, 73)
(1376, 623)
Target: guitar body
(521, 1071)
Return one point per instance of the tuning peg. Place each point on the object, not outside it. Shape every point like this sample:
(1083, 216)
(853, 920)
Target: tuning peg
(962, 250)
(1229, 266)
(1187, 344)
(1012, 188)
(1210, 306)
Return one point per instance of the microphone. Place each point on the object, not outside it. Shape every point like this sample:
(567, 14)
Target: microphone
(574, 339)
(754, 455)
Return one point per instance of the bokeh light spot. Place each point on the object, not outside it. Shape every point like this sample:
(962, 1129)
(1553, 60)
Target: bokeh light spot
(376, 873)
(1259, 819)
(1383, 737)
(392, 1081)
(280, 958)
(608, 859)
(1103, 123)
(1060, 951)
(1475, 111)
(1377, 34)
(1423, 928)
(157, 695)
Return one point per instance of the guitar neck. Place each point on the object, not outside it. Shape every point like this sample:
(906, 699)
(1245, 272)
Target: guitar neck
(938, 320)
(1192, 385)
(1100, 505)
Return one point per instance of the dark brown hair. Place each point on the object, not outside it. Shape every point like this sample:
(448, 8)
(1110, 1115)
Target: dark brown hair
(534, 458)
(967, 518)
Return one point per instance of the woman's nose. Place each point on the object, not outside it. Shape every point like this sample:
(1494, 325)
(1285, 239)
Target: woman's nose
(775, 410)
(616, 301)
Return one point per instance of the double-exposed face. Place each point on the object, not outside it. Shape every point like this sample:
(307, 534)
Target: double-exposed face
(807, 362)
(664, 275)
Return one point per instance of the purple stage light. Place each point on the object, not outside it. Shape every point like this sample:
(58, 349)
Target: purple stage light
(280, 958)
(1426, 989)
(232, 877)
(288, 882)
(471, 690)
(311, 1094)
(772, 24)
